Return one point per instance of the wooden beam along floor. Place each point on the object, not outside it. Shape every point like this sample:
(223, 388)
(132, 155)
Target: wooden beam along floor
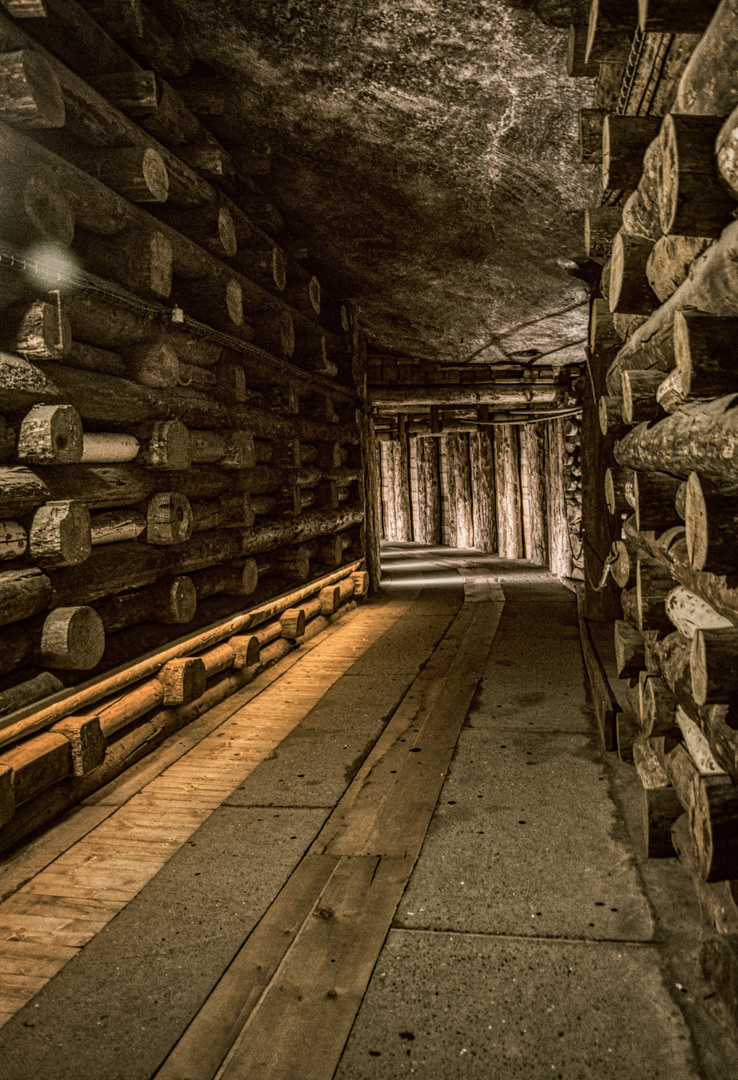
(401, 850)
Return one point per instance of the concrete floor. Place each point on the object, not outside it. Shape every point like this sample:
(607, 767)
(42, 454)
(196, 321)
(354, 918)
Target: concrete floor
(532, 939)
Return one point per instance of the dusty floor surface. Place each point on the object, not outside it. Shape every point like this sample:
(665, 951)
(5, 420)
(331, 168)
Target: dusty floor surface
(481, 906)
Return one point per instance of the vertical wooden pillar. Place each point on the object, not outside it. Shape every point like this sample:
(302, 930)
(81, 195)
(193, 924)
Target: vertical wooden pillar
(387, 489)
(372, 527)
(448, 503)
(429, 491)
(396, 524)
(412, 461)
(458, 475)
(482, 464)
(507, 485)
(533, 483)
(559, 548)
(404, 513)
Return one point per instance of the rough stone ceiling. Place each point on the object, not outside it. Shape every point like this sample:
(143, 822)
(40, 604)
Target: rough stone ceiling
(425, 151)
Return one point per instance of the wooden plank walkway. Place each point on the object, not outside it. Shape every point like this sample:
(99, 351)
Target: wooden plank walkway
(285, 1006)
(63, 888)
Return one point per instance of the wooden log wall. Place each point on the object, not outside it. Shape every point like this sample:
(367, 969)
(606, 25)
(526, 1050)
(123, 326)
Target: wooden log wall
(182, 433)
(662, 368)
(509, 489)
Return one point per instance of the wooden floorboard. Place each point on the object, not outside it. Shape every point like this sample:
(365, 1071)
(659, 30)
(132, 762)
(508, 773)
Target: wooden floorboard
(303, 1020)
(93, 863)
(296, 1022)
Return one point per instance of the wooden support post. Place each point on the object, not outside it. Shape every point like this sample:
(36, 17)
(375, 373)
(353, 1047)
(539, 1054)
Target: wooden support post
(484, 505)
(458, 491)
(429, 491)
(182, 680)
(507, 491)
(560, 556)
(86, 742)
(533, 490)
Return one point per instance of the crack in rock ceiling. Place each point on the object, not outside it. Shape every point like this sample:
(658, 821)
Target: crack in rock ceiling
(425, 152)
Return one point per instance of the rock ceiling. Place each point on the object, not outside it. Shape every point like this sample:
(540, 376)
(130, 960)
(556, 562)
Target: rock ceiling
(425, 152)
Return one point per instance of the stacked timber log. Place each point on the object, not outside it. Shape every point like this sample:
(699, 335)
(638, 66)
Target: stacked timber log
(663, 365)
(180, 441)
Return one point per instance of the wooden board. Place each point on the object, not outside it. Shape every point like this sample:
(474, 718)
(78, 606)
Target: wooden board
(90, 865)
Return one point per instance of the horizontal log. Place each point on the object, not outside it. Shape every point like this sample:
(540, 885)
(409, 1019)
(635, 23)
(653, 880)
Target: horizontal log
(386, 397)
(71, 639)
(705, 353)
(611, 417)
(669, 262)
(711, 520)
(625, 140)
(641, 214)
(654, 496)
(692, 201)
(623, 564)
(60, 534)
(713, 666)
(653, 584)
(698, 438)
(37, 764)
(619, 491)
(661, 806)
(689, 613)
(38, 330)
(639, 396)
(712, 286)
(674, 17)
(97, 123)
(170, 601)
(629, 657)
(73, 701)
(29, 692)
(115, 526)
(30, 94)
(609, 31)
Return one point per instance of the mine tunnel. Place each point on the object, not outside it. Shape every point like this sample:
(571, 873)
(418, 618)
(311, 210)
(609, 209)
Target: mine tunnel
(369, 539)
